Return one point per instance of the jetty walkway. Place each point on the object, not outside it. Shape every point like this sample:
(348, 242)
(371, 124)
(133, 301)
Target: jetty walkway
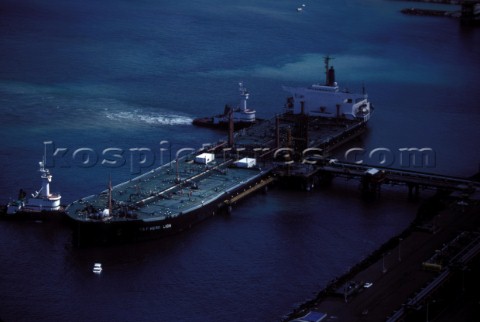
(371, 178)
(297, 147)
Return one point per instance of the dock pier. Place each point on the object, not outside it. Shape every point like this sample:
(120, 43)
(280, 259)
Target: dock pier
(297, 149)
(371, 178)
(469, 13)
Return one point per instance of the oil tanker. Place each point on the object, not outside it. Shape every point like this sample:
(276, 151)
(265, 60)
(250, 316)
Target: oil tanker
(165, 200)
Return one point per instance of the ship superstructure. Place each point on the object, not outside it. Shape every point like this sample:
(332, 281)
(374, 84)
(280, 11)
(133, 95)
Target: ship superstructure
(42, 201)
(328, 100)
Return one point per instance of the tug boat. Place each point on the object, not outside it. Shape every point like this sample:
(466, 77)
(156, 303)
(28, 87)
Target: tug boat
(242, 116)
(328, 100)
(40, 205)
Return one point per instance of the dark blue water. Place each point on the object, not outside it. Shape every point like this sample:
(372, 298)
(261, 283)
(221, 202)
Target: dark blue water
(130, 74)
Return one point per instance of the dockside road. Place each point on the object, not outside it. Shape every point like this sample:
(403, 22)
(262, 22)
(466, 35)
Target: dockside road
(397, 276)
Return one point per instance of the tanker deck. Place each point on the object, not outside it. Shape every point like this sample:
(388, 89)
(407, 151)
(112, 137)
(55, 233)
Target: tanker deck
(163, 201)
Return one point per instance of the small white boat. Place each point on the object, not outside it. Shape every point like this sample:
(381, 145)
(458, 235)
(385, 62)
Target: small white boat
(300, 9)
(97, 268)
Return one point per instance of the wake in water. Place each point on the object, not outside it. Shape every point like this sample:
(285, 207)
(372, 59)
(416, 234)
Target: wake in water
(151, 118)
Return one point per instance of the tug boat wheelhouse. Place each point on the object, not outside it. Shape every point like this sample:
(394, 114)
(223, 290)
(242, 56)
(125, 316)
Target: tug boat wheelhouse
(328, 100)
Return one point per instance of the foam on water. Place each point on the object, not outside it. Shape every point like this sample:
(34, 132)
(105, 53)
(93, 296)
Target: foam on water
(151, 118)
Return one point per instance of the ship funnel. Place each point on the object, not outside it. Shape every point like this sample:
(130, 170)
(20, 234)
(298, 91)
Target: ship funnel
(329, 72)
(331, 77)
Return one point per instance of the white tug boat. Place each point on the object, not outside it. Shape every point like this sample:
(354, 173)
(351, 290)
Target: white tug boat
(97, 268)
(242, 115)
(328, 100)
(41, 202)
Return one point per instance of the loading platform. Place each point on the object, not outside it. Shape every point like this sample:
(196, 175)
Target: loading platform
(296, 149)
(371, 178)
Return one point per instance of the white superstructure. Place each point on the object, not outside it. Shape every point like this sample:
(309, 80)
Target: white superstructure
(328, 100)
(241, 114)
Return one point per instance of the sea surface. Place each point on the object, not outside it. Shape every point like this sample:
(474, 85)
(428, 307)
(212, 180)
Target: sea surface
(78, 78)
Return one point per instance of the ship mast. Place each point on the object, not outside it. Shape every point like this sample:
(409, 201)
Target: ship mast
(46, 177)
(244, 96)
(110, 195)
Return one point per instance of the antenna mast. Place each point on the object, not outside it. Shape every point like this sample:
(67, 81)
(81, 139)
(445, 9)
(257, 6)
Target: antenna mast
(244, 96)
(110, 195)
